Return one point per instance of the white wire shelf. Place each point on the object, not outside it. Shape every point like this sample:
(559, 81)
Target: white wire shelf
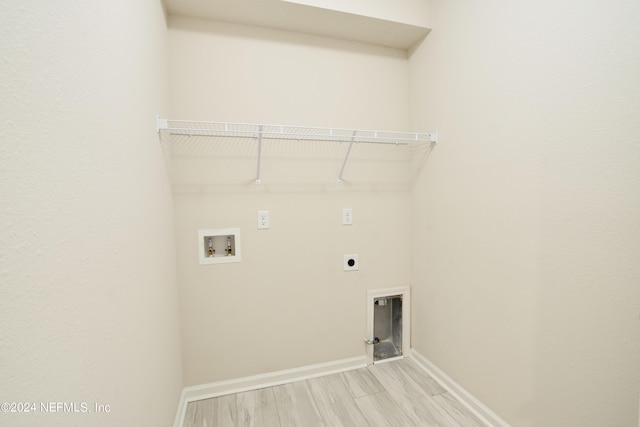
(262, 132)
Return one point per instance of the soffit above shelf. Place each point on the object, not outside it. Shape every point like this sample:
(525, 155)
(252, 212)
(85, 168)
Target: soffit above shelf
(303, 18)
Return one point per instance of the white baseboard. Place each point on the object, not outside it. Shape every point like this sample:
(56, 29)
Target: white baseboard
(181, 412)
(485, 414)
(221, 388)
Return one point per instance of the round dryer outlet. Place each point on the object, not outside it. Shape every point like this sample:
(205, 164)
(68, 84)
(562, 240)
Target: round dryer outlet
(351, 262)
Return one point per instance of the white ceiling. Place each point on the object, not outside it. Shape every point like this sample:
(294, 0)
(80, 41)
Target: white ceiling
(302, 18)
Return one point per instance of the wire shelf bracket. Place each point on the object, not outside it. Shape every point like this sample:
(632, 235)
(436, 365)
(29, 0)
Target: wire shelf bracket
(346, 157)
(258, 181)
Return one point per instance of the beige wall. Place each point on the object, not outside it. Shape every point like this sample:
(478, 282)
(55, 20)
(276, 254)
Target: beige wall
(87, 256)
(527, 212)
(288, 303)
(226, 72)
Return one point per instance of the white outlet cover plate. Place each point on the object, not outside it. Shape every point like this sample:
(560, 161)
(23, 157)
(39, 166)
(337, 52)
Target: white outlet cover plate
(347, 216)
(351, 262)
(263, 219)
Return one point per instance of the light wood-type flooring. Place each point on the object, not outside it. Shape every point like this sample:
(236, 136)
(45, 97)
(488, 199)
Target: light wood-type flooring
(394, 394)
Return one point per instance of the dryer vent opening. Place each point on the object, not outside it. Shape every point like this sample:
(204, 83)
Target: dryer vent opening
(387, 327)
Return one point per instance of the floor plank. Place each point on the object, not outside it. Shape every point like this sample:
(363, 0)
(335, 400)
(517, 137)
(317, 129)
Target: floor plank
(190, 416)
(417, 404)
(256, 408)
(424, 380)
(458, 411)
(335, 403)
(381, 410)
(204, 413)
(361, 382)
(224, 411)
(296, 406)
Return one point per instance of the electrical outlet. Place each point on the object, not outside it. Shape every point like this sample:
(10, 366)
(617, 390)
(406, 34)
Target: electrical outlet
(263, 219)
(351, 262)
(347, 216)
